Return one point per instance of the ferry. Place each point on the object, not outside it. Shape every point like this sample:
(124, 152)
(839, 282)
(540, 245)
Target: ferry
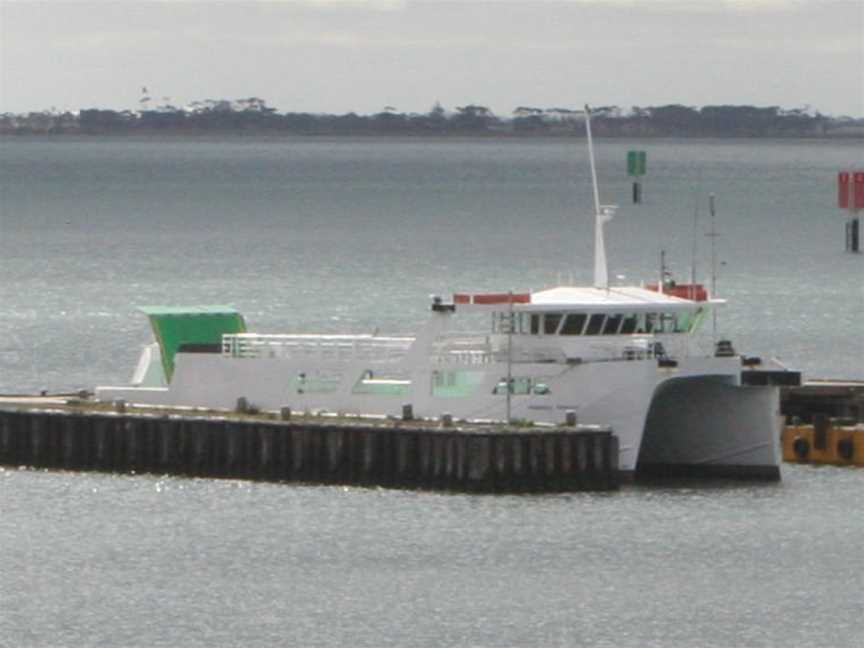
(621, 356)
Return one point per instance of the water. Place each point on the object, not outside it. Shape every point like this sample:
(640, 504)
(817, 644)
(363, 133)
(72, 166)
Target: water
(94, 560)
(349, 235)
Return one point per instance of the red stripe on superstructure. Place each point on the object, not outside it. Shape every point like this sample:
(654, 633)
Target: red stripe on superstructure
(693, 292)
(492, 298)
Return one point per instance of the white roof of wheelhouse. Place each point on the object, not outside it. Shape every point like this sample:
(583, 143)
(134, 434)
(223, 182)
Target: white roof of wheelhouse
(614, 298)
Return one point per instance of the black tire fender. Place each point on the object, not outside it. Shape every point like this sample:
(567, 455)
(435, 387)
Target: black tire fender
(801, 447)
(846, 448)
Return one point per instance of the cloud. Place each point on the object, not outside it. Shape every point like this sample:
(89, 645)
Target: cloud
(682, 6)
(375, 5)
(362, 54)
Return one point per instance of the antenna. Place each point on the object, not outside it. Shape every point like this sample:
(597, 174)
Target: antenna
(602, 214)
(713, 234)
(695, 250)
(144, 101)
(661, 286)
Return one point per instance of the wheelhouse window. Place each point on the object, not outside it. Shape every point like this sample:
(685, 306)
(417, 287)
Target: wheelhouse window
(595, 324)
(681, 322)
(689, 321)
(551, 322)
(629, 324)
(675, 322)
(613, 322)
(694, 320)
(667, 323)
(649, 323)
(573, 324)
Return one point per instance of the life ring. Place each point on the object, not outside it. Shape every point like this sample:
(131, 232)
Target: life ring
(846, 448)
(801, 447)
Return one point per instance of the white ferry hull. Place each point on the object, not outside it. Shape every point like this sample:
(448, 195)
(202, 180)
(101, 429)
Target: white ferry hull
(696, 414)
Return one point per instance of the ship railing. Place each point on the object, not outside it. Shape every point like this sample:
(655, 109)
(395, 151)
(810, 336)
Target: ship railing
(461, 348)
(464, 356)
(320, 347)
(478, 350)
(645, 350)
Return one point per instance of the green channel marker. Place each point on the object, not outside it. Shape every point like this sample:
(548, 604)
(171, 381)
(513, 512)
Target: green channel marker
(637, 163)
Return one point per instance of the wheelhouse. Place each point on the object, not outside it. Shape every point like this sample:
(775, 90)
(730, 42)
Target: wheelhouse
(592, 312)
(580, 323)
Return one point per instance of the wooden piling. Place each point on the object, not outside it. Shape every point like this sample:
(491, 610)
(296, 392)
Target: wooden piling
(473, 459)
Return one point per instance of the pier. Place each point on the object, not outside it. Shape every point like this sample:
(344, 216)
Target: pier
(838, 442)
(832, 398)
(395, 454)
(824, 423)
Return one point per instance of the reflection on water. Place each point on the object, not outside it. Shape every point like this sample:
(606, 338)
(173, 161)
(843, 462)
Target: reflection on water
(143, 561)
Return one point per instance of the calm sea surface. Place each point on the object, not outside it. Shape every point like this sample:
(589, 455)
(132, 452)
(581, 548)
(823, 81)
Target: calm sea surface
(350, 235)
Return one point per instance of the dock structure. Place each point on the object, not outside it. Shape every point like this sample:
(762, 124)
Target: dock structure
(824, 423)
(837, 442)
(411, 454)
(832, 398)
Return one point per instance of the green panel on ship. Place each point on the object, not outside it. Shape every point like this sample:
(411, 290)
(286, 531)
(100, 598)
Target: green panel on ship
(174, 326)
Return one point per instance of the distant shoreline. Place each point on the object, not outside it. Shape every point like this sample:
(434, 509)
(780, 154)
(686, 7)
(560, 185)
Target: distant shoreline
(158, 135)
(252, 117)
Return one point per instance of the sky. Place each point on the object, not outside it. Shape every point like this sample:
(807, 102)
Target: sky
(356, 55)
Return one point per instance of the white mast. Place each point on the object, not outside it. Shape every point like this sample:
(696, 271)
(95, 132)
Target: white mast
(713, 236)
(694, 250)
(510, 325)
(602, 214)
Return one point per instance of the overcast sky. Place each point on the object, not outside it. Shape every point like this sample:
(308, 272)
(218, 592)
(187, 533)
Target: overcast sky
(328, 56)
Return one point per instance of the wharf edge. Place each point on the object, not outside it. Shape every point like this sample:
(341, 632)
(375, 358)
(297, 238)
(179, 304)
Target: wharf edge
(834, 441)
(832, 398)
(474, 459)
(825, 423)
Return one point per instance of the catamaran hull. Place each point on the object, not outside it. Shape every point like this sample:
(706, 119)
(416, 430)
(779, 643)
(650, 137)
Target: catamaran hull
(711, 427)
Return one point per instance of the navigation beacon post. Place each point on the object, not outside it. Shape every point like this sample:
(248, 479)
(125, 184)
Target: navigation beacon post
(850, 196)
(636, 166)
